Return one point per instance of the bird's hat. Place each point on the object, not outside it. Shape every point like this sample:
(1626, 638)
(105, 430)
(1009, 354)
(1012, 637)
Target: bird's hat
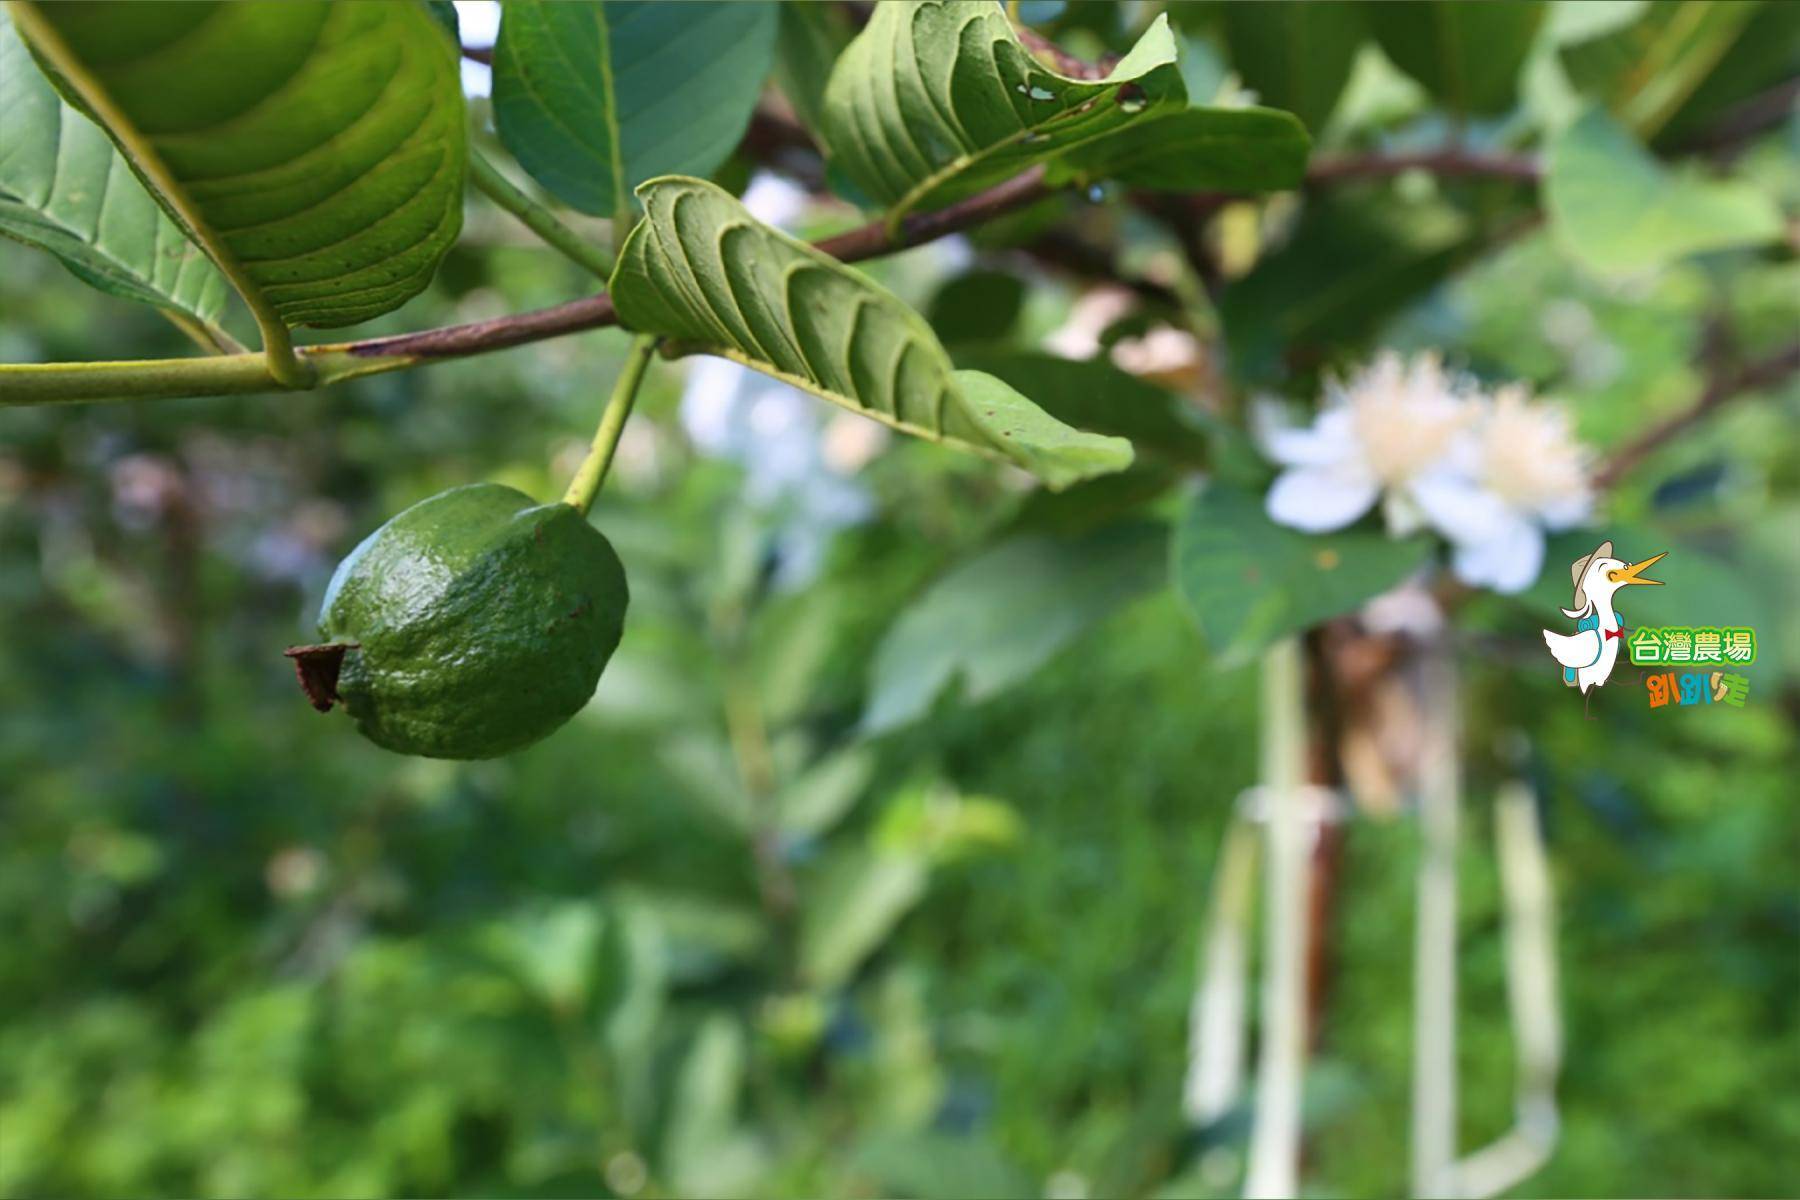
(1578, 570)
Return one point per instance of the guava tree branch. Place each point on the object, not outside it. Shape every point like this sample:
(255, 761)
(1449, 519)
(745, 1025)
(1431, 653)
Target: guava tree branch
(1723, 386)
(1447, 162)
(243, 374)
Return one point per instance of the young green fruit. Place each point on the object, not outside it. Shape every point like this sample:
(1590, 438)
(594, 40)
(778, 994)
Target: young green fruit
(472, 624)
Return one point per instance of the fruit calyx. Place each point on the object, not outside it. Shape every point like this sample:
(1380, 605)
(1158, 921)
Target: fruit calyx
(317, 667)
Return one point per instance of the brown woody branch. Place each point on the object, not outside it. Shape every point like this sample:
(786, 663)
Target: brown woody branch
(1449, 162)
(597, 312)
(1723, 386)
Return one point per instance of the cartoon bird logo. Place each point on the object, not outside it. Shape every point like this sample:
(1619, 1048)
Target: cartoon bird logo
(1588, 655)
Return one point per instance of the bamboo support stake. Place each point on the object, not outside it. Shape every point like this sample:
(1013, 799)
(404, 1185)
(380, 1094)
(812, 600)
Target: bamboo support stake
(1531, 993)
(1434, 946)
(1274, 1168)
(1216, 1016)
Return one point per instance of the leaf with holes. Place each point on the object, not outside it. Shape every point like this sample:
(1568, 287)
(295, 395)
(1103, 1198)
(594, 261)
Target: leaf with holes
(703, 272)
(937, 100)
(594, 98)
(315, 151)
(1249, 582)
(63, 188)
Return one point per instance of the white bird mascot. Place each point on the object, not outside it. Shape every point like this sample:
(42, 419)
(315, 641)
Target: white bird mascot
(1587, 656)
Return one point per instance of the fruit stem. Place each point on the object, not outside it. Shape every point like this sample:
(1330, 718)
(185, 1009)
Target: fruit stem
(592, 472)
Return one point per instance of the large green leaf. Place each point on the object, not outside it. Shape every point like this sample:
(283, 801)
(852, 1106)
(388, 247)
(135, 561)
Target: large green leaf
(1202, 149)
(63, 188)
(1614, 208)
(1647, 71)
(700, 270)
(315, 150)
(1295, 56)
(1352, 262)
(1250, 582)
(811, 37)
(1001, 615)
(939, 99)
(1467, 55)
(594, 98)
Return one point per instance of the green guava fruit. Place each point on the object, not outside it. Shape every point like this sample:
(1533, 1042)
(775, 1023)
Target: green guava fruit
(470, 625)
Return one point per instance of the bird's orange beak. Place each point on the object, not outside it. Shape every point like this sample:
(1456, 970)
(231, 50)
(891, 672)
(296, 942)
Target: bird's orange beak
(1631, 574)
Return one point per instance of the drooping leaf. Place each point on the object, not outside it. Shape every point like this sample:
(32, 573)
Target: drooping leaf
(1249, 582)
(1201, 149)
(594, 98)
(810, 39)
(939, 99)
(1096, 395)
(1001, 615)
(1646, 72)
(1295, 56)
(1467, 55)
(316, 151)
(700, 270)
(63, 188)
(1613, 207)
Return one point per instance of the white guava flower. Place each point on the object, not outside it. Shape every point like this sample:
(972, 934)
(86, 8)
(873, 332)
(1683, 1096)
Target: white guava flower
(1524, 473)
(1489, 473)
(1378, 435)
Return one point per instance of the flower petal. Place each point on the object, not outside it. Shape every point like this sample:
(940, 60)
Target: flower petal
(1328, 440)
(1507, 561)
(1459, 508)
(1320, 499)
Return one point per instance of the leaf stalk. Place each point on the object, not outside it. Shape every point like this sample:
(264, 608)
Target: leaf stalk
(537, 217)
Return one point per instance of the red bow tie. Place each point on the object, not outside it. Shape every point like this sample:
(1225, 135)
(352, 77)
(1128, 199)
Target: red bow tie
(1615, 633)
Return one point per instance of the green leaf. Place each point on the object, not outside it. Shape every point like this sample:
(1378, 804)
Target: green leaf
(1614, 208)
(708, 1153)
(316, 151)
(1646, 72)
(977, 306)
(1202, 149)
(594, 98)
(1469, 56)
(811, 37)
(852, 907)
(702, 271)
(1096, 395)
(936, 100)
(823, 794)
(1249, 582)
(63, 188)
(934, 1165)
(1295, 56)
(1350, 265)
(998, 617)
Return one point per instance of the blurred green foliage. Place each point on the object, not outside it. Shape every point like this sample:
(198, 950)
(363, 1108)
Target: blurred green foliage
(711, 939)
